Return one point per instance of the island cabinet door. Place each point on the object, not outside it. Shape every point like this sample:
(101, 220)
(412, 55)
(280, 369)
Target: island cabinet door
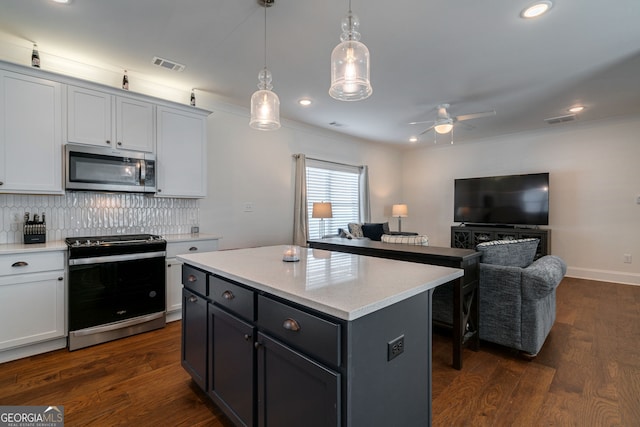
(194, 336)
(231, 369)
(294, 390)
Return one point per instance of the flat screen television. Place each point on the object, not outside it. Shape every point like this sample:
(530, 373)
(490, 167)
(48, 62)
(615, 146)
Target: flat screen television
(502, 200)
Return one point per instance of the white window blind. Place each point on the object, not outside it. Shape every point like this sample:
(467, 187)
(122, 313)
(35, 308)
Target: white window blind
(335, 183)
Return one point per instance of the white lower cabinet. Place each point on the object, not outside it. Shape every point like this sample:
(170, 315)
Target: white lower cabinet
(32, 300)
(174, 271)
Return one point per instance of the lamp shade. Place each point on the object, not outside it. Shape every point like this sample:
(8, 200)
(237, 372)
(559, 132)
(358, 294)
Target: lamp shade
(322, 210)
(399, 211)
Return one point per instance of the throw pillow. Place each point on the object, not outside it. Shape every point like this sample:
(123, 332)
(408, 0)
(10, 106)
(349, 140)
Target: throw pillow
(513, 253)
(416, 240)
(373, 231)
(355, 229)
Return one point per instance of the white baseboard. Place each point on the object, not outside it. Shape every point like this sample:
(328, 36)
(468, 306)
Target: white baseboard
(172, 316)
(604, 275)
(32, 350)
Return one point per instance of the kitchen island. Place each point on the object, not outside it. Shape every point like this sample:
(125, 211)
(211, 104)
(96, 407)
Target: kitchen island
(333, 339)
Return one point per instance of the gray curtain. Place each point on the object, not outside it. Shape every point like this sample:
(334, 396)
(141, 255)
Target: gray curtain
(365, 203)
(300, 214)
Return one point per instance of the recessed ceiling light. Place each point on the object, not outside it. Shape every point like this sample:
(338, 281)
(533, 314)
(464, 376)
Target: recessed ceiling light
(62, 1)
(305, 102)
(576, 109)
(413, 139)
(536, 9)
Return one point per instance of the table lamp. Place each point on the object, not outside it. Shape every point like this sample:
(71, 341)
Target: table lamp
(322, 210)
(399, 211)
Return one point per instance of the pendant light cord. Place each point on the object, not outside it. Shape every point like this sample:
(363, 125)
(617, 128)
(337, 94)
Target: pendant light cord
(265, 34)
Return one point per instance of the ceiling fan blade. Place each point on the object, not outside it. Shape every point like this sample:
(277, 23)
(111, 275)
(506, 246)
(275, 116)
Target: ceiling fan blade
(426, 130)
(421, 123)
(475, 115)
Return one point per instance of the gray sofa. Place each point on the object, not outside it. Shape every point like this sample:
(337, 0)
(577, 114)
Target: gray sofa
(517, 295)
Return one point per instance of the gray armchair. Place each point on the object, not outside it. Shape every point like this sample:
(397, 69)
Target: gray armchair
(517, 295)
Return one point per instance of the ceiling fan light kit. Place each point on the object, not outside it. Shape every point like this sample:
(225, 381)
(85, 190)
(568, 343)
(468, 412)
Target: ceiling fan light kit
(265, 104)
(350, 64)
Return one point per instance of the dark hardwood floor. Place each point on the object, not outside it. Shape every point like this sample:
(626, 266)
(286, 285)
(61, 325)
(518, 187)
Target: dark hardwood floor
(587, 374)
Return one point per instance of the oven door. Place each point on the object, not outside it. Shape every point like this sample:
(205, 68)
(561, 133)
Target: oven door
(110, 289)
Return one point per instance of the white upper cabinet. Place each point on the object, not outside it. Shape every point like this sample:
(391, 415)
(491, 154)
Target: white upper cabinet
(100, 118)
(181, 153)
(30, 135)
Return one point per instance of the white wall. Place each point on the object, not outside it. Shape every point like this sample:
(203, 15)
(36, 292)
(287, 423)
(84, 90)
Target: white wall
(252, 166)
(594, 183)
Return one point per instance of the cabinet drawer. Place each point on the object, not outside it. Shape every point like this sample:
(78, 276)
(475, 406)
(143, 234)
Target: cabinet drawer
(231, 296)
(317, 337)
(32, 262)
(195, 280)
(181, 248)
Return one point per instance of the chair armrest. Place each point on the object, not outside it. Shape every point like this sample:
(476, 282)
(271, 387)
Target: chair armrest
(542, 277)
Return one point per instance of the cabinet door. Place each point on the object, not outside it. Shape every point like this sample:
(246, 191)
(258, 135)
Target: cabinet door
(32, 308)
(174, 284)
(231, 369)
(30, 135)
(89, 117)
(194, 337)
(181, 153)
(294, 390)
(134, 124)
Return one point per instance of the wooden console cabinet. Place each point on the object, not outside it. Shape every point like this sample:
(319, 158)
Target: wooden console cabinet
(469, 236)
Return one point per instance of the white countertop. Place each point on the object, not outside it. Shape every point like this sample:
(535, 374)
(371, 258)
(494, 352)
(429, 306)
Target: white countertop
(60, 245)
(343, 285)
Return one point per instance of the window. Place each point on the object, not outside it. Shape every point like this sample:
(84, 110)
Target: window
(335, 183)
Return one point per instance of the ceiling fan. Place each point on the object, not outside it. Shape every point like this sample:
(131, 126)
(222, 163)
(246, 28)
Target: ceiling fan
(444, 121)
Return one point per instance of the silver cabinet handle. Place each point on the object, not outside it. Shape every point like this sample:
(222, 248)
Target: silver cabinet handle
(291, 325)
(193, 298)
(228, 295)
(19, 264)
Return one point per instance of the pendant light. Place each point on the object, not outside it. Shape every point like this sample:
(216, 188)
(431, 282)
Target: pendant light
(350, 63)
(265, 104)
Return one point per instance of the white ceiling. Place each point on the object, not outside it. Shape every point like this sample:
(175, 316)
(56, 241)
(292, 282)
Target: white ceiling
(475, 55)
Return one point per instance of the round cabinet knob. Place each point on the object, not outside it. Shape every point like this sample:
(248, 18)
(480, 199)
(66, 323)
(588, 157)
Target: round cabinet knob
(1, 183)
(192, 278)
(247, 337)
(119, 143)
(108, 142)
(228, 295)
(193, 299)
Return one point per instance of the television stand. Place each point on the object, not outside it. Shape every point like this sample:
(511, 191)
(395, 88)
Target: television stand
(468, 236)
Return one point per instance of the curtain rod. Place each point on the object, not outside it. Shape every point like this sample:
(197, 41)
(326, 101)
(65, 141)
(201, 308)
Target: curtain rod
(295, 156)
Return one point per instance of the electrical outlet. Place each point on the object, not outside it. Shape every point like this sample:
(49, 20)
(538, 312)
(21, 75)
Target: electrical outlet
(395, 347)
(627, 258)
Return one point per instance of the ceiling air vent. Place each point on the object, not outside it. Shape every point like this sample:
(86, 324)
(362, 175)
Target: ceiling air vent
(168, 64)
(560, 119)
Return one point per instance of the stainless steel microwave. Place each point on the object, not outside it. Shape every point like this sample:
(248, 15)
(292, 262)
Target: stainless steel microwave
(108, 169)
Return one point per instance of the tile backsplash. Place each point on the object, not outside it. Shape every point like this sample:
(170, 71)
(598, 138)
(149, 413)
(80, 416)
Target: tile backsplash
(97, 214)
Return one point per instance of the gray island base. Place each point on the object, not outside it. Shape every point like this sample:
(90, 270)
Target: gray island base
(335, 339)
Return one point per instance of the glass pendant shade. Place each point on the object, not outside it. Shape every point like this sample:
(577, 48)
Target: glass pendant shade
(265, 105)
(350, 64)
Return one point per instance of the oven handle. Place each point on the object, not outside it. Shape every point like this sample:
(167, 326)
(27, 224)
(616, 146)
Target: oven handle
(117, 258)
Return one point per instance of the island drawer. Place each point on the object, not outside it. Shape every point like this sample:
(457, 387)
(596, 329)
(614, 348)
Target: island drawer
(235, 298)
(194, 279)
(316, 336)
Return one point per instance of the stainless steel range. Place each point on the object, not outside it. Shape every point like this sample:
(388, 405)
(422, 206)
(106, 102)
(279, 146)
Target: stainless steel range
(116, 287)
